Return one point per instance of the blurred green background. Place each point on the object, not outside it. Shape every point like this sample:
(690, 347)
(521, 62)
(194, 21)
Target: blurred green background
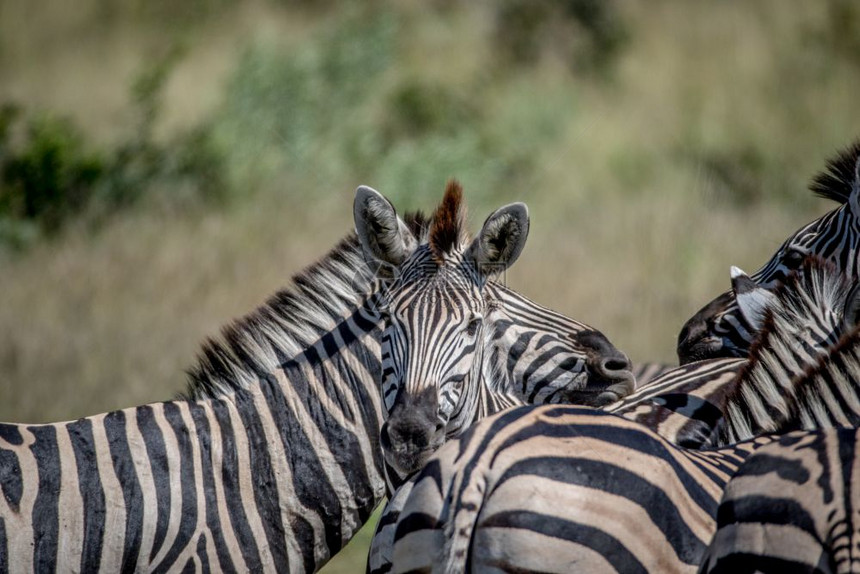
(165, 166)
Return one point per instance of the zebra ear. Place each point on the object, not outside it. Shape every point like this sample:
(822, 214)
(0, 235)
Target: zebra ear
(753, 301)
(501, 239)
(383, 235)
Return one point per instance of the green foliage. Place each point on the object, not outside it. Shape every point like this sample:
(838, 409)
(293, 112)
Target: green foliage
(50, 174)
(50, 177)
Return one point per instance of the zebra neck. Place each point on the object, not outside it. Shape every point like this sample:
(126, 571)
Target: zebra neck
(317, 303)
(798, 332)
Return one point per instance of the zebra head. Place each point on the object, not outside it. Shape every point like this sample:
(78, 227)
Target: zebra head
(721, 329)
(443, 335)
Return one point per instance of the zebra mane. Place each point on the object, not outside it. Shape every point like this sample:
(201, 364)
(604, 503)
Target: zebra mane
(291, 320)
(448, 228)
(762, 392)
(828, 392)
(838, 179)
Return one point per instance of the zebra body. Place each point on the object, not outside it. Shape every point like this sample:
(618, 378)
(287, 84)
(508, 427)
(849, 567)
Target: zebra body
(721, 328)
(273, 460)
(644, 373)
(560, 489)
(466, 482)
(792, 507)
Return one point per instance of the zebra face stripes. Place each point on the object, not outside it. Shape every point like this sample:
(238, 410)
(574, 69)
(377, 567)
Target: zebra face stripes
(719, 329)
(443, 323)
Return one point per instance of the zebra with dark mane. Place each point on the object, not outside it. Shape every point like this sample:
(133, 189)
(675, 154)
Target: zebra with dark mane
(720, 329)
(815, 305)
(272, 460)
(793, 505)
(561, 488)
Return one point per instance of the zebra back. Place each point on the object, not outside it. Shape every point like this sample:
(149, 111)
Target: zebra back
(791, 507)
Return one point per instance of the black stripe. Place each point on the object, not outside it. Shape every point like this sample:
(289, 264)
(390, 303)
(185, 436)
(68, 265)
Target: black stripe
(11, 484)
(742, 562)
(92, 494)
(612, 550)
(216, 529)
(156, 453)
(204, 557)
(11, 434)
(123, 465)
(310, 484)
(605, 477)
(764, 509)
(415, 522)
(4, 548)
(266, 493)
(190, 513)
(45, 514)
(230, 480)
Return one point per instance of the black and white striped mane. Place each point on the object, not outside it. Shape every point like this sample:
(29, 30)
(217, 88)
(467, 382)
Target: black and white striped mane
(290, 321)
(838, 179)
(817, 294)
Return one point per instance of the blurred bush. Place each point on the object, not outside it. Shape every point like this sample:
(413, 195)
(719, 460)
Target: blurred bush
(588, 34)
(51, 175)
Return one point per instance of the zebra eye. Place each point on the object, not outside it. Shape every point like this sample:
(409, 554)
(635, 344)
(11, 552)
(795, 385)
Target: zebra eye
(793, 258)
(472, 327)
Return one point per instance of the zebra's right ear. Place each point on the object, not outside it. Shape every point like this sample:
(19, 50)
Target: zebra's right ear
(384, 237)
(753, 300)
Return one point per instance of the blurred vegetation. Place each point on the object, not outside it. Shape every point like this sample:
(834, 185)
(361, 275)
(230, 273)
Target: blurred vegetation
(50, 174)
(655, 143)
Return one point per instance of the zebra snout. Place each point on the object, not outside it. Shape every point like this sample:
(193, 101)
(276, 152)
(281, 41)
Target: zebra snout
(413, 431)
(408, 443)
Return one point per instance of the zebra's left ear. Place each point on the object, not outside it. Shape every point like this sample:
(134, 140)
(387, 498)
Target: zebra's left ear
(384, 237)
(501, 239)
(753, 300)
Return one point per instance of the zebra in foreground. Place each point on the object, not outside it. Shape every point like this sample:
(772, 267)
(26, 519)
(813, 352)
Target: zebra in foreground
(438, 316)
(793, 505)
(545, 488)
(685, 406)
(720, 329)
(272, 462)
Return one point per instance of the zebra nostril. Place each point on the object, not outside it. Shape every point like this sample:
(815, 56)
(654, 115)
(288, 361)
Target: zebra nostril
(616, 364)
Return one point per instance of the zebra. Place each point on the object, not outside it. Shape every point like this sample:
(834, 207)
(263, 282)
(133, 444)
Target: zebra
(439, 313)
(685, 406)
(720, 329)
(271, 459)
(811, 310)
(792, 505)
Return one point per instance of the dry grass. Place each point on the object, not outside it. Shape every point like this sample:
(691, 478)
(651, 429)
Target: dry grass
(632, 230)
